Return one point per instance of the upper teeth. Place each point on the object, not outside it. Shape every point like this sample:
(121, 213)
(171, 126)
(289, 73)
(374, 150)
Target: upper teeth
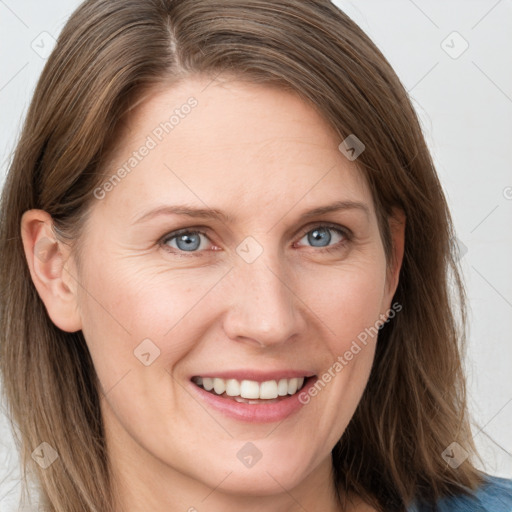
(251, 389)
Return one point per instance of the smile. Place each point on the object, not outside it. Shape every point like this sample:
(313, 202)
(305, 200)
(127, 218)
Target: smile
(257, 398)
(250, 391)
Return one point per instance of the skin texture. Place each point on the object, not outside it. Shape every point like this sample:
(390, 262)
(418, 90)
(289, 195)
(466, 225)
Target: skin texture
(264, 157)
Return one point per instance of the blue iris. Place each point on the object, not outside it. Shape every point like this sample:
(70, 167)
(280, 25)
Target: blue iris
(319, 234)
(191, 241)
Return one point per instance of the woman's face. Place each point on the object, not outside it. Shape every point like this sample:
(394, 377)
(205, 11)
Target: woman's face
(262, 290)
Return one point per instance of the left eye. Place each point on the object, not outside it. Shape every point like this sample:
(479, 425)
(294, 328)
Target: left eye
(321, 234)
(190, 240)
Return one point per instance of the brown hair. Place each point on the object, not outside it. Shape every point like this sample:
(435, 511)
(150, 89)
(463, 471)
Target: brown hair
(107, 56)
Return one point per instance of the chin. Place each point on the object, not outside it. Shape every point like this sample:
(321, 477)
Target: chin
(267, 475)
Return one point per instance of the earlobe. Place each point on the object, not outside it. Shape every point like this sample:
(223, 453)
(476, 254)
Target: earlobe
(46, 258)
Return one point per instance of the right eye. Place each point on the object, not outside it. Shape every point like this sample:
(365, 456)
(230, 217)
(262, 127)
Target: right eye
(183, 241)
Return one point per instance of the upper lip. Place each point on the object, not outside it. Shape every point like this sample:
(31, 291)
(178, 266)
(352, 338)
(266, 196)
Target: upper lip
(256, 375)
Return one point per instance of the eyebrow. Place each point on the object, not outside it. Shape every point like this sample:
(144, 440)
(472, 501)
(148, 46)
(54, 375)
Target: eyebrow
(215, 214)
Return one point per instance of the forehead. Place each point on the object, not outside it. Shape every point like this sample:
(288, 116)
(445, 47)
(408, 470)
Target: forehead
(209, 142)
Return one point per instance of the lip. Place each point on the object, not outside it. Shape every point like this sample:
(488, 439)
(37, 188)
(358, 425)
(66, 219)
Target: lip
(257, 376)
(254, 413)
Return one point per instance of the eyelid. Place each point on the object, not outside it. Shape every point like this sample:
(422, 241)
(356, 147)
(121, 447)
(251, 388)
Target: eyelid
(336, 227)
(178, 232)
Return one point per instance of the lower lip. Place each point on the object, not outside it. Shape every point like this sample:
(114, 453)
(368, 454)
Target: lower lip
(255, 413)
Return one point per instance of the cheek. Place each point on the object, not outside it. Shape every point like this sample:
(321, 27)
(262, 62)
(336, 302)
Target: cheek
(348, 300)
(128, 310)
(349, 304)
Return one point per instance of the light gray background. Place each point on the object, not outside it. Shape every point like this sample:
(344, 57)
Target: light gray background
(465, 104)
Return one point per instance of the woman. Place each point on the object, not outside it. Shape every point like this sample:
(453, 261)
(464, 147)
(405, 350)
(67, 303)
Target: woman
(227, 264)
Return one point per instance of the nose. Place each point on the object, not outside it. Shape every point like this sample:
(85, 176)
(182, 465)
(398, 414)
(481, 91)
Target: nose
(263, 308)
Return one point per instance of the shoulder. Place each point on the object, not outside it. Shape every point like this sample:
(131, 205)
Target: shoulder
(494, 495)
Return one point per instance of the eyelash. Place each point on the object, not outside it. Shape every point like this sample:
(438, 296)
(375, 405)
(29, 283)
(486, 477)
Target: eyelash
(346, 233)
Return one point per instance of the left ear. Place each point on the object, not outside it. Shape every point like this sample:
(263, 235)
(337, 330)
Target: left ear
(397, 222)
